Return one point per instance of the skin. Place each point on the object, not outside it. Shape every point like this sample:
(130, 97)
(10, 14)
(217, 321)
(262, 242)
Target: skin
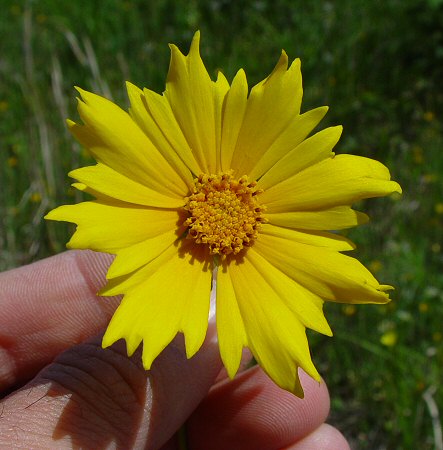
(61, 390)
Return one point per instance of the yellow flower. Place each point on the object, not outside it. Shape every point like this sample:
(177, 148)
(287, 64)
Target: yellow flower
(429, 116)
(375, 266)
(423, 307)
(349, 310)
(389, 339)
(36, 197)
(4, 105)
(439, 208)
(12, 161)
(206, 184)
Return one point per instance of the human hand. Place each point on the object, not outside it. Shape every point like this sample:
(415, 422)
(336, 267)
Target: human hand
(65, 391)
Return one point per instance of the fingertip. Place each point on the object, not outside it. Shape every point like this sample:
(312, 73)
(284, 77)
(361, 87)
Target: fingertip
(251, 412)
(324, 437)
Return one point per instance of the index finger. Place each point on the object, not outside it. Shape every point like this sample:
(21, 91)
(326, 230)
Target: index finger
(48, 306)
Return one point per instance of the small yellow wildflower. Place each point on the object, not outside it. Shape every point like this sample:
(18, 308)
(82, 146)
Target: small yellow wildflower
(41, 18)
(375, 266)
(429, 116)
(206, 183)
(389, 338)
(436, 247)
(423, 307)
(349, 310)
(15, 10)
(420, 386)
(439, 208)
(418, 155)
(430, 178)
(36, 197)
(12, 161)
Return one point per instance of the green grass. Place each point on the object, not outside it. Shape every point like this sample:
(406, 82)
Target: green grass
(378, 65)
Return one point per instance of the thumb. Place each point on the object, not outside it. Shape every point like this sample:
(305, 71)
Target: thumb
(91, 397)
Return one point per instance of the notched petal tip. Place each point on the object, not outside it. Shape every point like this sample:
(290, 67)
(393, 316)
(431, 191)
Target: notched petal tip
(57, 214)
(283, 58)
(397, 188)
(194, 48)
(328, 332)
(382, 295)
(133, 91)
(386, 287)
(321, 110)
(92, 100)
(280, 68)
(130, 85)
(241, 74)
(79, 186)
(132, 341)
(108, 339)
(362, 218)
(296, 64)
(84, 95)
(79, 89)
(195, 44)
(192, 346)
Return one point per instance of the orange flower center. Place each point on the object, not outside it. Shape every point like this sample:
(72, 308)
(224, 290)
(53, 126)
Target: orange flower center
(224, 213)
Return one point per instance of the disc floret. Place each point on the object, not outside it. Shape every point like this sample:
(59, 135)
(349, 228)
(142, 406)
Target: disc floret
(224, 213)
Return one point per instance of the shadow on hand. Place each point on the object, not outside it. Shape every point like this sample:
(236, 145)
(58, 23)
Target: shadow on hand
(105, 399)
(106, 395)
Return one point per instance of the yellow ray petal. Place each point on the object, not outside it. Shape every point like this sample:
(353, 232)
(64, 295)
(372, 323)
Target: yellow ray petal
(166, 137)
(194, 321)
(317, 238)
(329, 274)
(272, 105)
(337, 181)
(154, 112)
(221, 89)
(230, 328)
(164, 304)
(288, 139)
(313, 150)
(234, 110)
(306, 305)
(190, 93)
(124, 284)
(110, 227)
(131, 258)
(276, 337)
(103, 179)
(114, 139)
(160, 110)
(336, 218)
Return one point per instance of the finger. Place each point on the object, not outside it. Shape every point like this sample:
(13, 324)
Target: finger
(324, 437)
(47, 307)
(252, 413)
(98, 398)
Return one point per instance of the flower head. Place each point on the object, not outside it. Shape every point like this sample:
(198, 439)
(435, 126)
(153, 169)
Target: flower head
(208, 176)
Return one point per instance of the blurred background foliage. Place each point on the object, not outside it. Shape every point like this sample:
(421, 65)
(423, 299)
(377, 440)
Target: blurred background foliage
(377, 64)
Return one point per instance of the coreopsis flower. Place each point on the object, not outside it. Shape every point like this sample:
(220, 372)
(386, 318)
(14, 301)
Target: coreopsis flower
(209, 183)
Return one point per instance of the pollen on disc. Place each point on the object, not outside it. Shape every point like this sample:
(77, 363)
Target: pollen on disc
(224, 213)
